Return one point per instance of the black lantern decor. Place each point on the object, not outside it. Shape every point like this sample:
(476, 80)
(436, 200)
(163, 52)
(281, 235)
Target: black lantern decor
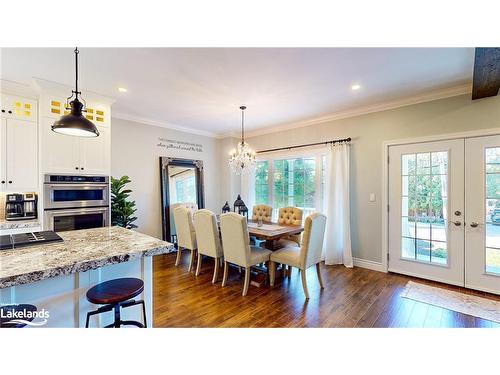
(75, 122)
(226, 208)
(240, 207)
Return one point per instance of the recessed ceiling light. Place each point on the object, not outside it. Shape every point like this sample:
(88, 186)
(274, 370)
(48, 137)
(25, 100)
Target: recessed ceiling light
(355, 87)
(122, 89)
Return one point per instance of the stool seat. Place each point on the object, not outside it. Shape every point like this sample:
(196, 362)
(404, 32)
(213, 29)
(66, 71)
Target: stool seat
(11, 310)
(115, 291)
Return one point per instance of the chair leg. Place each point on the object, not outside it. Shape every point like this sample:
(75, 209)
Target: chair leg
(247, 281)
(191, 261)
(224, 278)
(216, 270)
(272, 272)
(198, 264)
(304, 283)
(318, 271)
(289, 271)
(178, 258)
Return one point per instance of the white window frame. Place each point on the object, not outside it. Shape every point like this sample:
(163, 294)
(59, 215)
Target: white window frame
(317, 153)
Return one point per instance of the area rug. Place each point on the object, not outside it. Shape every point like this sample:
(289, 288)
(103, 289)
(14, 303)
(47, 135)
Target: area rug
(448, 299)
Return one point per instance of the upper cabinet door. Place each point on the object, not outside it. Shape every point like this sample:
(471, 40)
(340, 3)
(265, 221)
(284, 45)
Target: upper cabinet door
(95, 153)
(21, 155)
(3, 154)
(17, 107)
(60, 153)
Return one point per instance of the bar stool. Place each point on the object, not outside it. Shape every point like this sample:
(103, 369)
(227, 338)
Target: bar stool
(12, 310)
(114, 295)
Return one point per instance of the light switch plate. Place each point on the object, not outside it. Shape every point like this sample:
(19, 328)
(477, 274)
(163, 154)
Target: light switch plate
(372, 197)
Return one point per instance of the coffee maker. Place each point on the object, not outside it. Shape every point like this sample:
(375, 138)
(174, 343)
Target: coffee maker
(21, 206)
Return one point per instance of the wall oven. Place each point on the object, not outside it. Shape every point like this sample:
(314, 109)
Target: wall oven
(75, 202)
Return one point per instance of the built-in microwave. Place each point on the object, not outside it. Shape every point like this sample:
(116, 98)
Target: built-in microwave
(75, 191)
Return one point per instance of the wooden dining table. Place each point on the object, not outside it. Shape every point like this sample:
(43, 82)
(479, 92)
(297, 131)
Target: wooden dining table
(272, 232)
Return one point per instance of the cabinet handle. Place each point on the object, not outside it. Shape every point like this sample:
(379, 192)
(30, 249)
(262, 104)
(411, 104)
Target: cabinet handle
(3, 110)
(76, 168)
(81, 168)
(10, 111)
(10, 182)
(3, 182)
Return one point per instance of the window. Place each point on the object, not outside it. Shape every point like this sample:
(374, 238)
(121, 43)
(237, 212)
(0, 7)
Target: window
(424, 206)
(295, 181)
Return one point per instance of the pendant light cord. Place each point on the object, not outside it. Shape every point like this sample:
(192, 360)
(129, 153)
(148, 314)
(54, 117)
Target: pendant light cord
(76, 72)
(242, 124)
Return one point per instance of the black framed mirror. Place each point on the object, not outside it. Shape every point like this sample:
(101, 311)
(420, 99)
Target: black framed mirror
(181, 182)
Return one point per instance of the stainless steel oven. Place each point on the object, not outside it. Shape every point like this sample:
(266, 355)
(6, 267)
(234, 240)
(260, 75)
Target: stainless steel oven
(76, 202)
(74, 219)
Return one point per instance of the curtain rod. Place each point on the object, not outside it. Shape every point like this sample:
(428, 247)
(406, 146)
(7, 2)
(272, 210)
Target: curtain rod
(306, 145)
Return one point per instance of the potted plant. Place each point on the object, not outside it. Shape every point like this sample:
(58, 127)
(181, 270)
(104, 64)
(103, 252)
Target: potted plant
(122, 209)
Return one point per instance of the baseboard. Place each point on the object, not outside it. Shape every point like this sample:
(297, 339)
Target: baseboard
(369, 264)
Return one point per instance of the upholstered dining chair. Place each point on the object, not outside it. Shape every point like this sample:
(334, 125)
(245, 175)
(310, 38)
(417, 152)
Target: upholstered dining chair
(237, 249)
(290, 216)
(186, 235)
(189, 205)
(305, 256)
(262, 212)
(207, 239)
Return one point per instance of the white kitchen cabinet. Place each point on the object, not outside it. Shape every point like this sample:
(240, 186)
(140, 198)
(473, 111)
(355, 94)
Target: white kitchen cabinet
(17, 107)
(19, 153)
(74, 155)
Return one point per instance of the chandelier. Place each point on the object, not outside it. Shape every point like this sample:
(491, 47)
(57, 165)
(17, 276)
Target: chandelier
(243, 157)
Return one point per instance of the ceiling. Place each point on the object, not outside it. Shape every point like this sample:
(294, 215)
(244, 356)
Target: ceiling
(202, 88)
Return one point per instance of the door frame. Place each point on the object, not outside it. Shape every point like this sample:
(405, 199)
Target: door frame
(385, 174)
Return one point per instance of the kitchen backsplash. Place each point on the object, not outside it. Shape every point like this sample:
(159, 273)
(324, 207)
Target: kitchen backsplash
(2, 206)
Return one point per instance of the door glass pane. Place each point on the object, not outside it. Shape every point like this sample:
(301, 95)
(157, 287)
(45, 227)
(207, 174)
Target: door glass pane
(492, 156)
(424, 204)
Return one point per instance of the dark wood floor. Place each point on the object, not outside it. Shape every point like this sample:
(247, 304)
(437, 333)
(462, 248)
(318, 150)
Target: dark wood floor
(352, 298)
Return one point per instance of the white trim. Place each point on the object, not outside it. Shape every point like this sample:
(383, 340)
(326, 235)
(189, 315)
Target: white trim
(426, 277)
(378, 107)
(369, 264)
(163, 124)
(385, 173)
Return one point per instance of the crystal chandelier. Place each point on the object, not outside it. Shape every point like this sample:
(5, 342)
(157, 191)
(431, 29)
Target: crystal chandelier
(243, 157)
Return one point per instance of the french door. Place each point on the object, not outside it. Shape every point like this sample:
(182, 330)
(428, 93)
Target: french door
(444, 211)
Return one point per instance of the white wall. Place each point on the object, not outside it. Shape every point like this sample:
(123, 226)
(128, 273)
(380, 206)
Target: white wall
(134, 152)
(368, 133)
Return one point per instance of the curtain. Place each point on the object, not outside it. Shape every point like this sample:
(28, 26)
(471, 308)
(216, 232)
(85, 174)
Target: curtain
(337, 248)
(248, 189)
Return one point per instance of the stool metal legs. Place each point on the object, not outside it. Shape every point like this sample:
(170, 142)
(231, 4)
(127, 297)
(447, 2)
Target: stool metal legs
(117, 321)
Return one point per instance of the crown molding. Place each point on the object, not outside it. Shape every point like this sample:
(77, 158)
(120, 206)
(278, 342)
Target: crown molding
(17, 88)
(379, 107)
(59, 89)
(163, 124)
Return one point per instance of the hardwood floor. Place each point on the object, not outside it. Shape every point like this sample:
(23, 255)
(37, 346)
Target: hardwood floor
(352, 298)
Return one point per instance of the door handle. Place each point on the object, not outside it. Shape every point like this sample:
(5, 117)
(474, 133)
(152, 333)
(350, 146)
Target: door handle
(457, 223)
(474, 224)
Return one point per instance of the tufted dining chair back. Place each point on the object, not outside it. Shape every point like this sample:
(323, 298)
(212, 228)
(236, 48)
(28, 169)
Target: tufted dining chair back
(235, 239)
(207, 233)
(312, 241)
(186, 235)
(290, 216)
(262, 212)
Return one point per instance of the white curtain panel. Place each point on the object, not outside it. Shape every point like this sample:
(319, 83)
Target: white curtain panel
(337, 248)
(248, 189)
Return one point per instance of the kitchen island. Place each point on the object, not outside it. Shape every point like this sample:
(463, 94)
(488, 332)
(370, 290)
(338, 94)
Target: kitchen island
(56, 276)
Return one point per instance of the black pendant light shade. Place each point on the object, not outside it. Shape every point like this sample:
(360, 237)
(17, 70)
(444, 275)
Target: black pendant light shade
(75, 122)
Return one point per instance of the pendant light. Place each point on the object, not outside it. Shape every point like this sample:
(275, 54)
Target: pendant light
(242, 159)
(75, 122)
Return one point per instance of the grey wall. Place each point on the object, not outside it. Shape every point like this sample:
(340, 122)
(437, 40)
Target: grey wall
(369, 132)
(134, 152)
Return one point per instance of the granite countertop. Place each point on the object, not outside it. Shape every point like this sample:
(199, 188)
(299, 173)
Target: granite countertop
(82, 250)
(18, 224)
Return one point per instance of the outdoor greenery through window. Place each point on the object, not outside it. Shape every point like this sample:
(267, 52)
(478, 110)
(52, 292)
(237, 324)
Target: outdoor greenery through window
(297, 182)
(493, 210)
(424, 207)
